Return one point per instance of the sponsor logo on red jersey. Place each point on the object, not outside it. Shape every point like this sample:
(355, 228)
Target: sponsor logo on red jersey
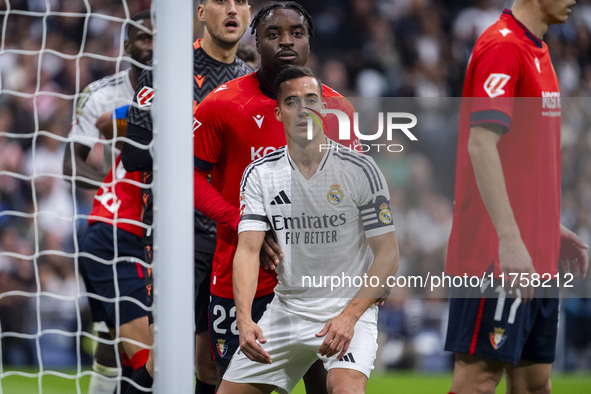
(257, 153)
(494, 84)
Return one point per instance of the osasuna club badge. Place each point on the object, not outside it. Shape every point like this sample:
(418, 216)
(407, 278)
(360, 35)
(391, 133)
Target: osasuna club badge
(335, 195)
(497, 338)
(222, 347)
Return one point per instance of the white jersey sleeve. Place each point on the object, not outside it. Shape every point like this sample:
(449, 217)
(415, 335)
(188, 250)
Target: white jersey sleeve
(373, 199)
(253, 215)
(99, 97)
(84, 129)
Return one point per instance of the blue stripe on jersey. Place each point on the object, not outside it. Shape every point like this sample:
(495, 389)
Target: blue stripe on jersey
(490, 116)
(202, 164)
(273, 156)
(368, 168)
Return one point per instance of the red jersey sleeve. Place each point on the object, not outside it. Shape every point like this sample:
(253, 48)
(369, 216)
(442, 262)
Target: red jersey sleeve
(495, 73)
(207, 135)
(208, 201)
(207, 146)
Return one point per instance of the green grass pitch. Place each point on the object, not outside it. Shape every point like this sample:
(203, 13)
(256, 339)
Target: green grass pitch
(393, 382)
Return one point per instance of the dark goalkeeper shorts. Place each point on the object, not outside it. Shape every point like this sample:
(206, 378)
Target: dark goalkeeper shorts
(496, 326)
(223, 332)
(99, 276)
(203, 262)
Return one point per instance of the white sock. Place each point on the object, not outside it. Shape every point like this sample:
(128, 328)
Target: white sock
(104, 381)
(100, 384)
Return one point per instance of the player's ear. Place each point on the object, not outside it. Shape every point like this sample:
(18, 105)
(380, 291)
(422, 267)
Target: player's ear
(256, 38)
(324, 106)
(127, 46)
(278, 114)
(201, 13)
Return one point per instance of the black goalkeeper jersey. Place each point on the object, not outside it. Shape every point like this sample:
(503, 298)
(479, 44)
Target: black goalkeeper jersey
(208, 74)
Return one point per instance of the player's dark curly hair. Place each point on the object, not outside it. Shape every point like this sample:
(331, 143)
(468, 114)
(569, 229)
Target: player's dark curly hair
(262, 14)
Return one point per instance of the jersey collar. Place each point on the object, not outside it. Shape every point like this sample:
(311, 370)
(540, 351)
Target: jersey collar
(528, 33)
(266, 89)
(322, 163)
(197, 46)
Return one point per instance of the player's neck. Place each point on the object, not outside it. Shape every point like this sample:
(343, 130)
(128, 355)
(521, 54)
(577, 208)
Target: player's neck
(268, 74)
(222, 52)
(530, 18)
(134, 75)
(306, 157)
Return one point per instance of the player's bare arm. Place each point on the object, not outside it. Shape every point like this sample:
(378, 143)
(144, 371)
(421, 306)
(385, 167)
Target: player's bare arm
(270, 252)
(573, 253)
(84, 169)
(245, 278)
(339, 331)
(113, 124)
(104, 124)
(514, 257)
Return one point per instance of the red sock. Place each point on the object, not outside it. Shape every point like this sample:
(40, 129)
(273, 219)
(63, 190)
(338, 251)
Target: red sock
(125, 360)
(139, 359)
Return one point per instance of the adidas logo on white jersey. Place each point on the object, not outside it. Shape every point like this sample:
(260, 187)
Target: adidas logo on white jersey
(280, 199)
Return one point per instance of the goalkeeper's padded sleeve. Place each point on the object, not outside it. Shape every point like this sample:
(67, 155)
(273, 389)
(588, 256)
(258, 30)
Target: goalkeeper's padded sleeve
(209, 201)
(132, 157)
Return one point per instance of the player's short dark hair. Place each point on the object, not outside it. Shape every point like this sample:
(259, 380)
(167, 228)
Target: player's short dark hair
(294, 72)
(264, 12)
(140, 16)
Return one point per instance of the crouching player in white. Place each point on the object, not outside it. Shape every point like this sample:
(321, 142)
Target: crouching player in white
(329, 209)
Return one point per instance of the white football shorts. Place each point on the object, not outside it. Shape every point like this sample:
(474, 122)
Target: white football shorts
(293, 347)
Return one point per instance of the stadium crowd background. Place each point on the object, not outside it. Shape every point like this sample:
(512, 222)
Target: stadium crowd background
(363, 48)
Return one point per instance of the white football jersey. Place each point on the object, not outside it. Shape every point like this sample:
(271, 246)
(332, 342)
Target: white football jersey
(322, 224)
(99, 97)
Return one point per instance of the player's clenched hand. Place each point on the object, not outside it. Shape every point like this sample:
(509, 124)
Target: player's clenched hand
(249, 334)
(515, 260)
(339, 332)
(270, 252)
(573, 250)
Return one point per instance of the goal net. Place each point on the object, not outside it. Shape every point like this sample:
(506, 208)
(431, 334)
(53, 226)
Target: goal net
(49, 52)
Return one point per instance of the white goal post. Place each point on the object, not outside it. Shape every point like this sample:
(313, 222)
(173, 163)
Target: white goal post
(173, 197)
(173, 181)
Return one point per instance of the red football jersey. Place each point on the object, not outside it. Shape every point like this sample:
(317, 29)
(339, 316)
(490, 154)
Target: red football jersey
(233, 126)
(510, 81)
(119, 201)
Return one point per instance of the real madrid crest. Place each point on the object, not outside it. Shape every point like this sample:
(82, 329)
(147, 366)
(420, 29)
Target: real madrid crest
(335, 195)
(222, 347)
(497, 338)
(385, 215)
